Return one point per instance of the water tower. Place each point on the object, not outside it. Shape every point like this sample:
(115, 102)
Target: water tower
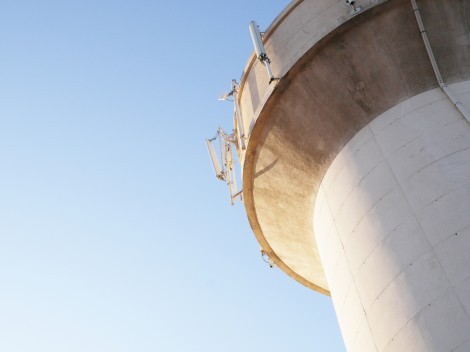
(352, 130)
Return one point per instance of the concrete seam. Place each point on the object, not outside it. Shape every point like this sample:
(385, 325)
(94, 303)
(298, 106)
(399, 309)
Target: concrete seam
(413, 110)
(325, 246)
(397, 275)
(450, 236)
(421, 137)
(350, 287)
(412, 140)
(353, 284)
(467, 278)
(344, 164)
(369, 210)
(451, 190)
(404, 145)
(463, 343)
(415, 315)
(422, 228)
(387, 236)
(325, 242)
(355, 186)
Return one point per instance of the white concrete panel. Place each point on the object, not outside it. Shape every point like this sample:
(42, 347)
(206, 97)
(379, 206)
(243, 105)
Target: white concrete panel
(435, 114)
(454, 255)
(446, 215)
(363, 341)
(462, 90)
(404, 108)
(352, 148)
(342, 282)
(465, 347)
(389, 259)
(322, 219)
(364, 239)
(356, 163)
(429, 148)
(385, 216)
(355, 318)
(396, 135)
(438, 179)
(332, 251)
(409, 338)
(339, 298)
(409, 126)
(424, 278)
(446, 324)
(463, 292)
(442, 326)
(379, 181)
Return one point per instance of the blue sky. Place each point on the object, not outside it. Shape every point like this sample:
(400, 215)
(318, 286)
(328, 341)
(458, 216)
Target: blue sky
(114, 234)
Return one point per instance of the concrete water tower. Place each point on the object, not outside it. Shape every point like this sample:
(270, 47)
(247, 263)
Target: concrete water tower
(356, 164)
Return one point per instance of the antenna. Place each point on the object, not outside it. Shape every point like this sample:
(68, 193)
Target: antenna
(237, 112)
(257, 41)
(227, 172)
(213, 155)
(260, 50)
(225, 97)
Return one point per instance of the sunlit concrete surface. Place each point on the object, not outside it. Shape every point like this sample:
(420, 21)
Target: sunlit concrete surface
(356, 174)
(392, 223)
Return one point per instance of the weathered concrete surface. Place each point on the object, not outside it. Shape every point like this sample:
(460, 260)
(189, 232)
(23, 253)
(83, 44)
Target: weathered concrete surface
(392, 223)
(297, 29)
(350, 76)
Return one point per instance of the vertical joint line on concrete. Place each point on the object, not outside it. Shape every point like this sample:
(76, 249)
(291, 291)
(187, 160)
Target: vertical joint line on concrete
(458, 105)
(354, 283)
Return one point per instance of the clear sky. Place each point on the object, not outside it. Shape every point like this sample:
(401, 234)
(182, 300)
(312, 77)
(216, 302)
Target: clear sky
(114, 234)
